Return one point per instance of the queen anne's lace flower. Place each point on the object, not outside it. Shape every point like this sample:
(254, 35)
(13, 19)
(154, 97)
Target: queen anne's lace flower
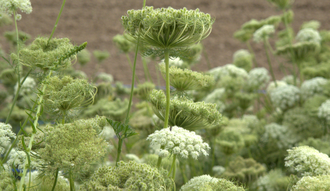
(10, 6)
(27, 87)
(313, 183)
(309, 35)
(5, 135)
(324, 111)
(178, 141)
(258, 78)
(228, 70)
(271, 86)
(263, 33)
(285, 97)
(279, 133)
(311, 87)
(308, 161)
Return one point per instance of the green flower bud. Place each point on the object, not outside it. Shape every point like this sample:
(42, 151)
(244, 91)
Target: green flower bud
(122, 43)
(84, 57)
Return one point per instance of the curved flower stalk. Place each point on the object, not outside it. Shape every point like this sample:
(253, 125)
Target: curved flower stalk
(308, 161)
(185, 79)
(208, 183)
(184, 112)
(167, 32)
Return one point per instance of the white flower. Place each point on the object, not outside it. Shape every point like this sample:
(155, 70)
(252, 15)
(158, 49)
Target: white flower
(105, 77)
(289, 79)
(308, 161)
(280, 133)
(272, 86)
(198, 182)
(324, 111)
(27, 87)
(313, 183)
(177, 62)
(10, 6)
(6, 135)
(309, 35)
(241, 54)
(178, 141)
(107, 133)
(311, 87)
(285, 97)
(218, 170)
(263, 33)
(228, 70)
(133, 157)
(258, 78)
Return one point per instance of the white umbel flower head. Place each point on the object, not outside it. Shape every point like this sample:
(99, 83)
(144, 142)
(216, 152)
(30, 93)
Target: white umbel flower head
(263, 33)
(285, 97)
(309, 35)
(198, 182)
(308, 161)
(11, 6)
(27, 87)
(271, 86)
(6, 135)
(176, 61)
(258, 78)
(228, 70)
(311, 87)
(280, 133)
(313, 183)
(178, 141)
(324, 111)
(241, 54)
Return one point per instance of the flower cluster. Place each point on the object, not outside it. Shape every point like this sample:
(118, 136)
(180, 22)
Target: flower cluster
(122, 43)
(278, 133)
(228, 70)
(275, 180)
(184, 112)
(243, 59)
(217, 97)
(263, 33)
(313, 86)
(309, 35)
(185, 79)
(10, 6)
(129, 176)
(6, 135)
(272, 85)
(230, 141)
(208, 183)
(152, 25)
(313, 183)
(308, 161)
(178, 141)
(285, 97)
(324, 111)
(176, 62)
(289, 79)
(27, 87)
(105, 77)
(258, 78)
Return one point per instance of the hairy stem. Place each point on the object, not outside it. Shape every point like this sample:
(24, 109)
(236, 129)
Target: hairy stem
(58, 18)
(35, 124)
(167, 79)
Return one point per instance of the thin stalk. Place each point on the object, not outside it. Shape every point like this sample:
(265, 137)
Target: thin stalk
(144, 3)
(269, 62)
(35, 123)
(146, 70)
(120, 144)
(130, 65)
(252, 52)
(58, 18)
(207, 60)
(18, 72)
(71, 181)
(157, 75)
(56, 176)
(159, 161)
(174, 167)
(167, 79)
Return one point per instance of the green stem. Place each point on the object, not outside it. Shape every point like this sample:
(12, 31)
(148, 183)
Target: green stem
(130, 65)
(253, 54)
(120, 144)
(207, 60)
(58, 18)
(159, 161)
(174, 167)
(269, 62)
(71, 181)
(157, 75)
(56, 176)
(35, 124)
(167, 79)
(146, 70)
(144, 3)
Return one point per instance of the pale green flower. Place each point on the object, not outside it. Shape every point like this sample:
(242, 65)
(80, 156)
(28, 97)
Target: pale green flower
(263, 33)
(313, 183)
(324, 111)
(285, 97)
(309, 35)
(6, 135)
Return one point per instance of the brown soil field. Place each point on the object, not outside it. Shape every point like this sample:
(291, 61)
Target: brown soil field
(98, 21)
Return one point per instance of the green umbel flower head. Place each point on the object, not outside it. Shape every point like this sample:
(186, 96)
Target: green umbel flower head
(129, 176)
(167, 28)
(44, 56)
(185, 79)
(122, 43)
(184, 112)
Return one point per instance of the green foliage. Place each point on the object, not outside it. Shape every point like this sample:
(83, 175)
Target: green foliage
(11, 37)
(281, 4)
(122, 131)
(274, 180)
(167, 28)
(129, 176)
(122, 43)
(100, 55)
(244, 170)
(230, 141)
(7, 181)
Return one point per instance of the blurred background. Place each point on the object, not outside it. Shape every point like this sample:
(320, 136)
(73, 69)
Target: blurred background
(98, 21)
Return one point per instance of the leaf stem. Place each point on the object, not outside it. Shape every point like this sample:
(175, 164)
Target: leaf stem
(167, 79)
